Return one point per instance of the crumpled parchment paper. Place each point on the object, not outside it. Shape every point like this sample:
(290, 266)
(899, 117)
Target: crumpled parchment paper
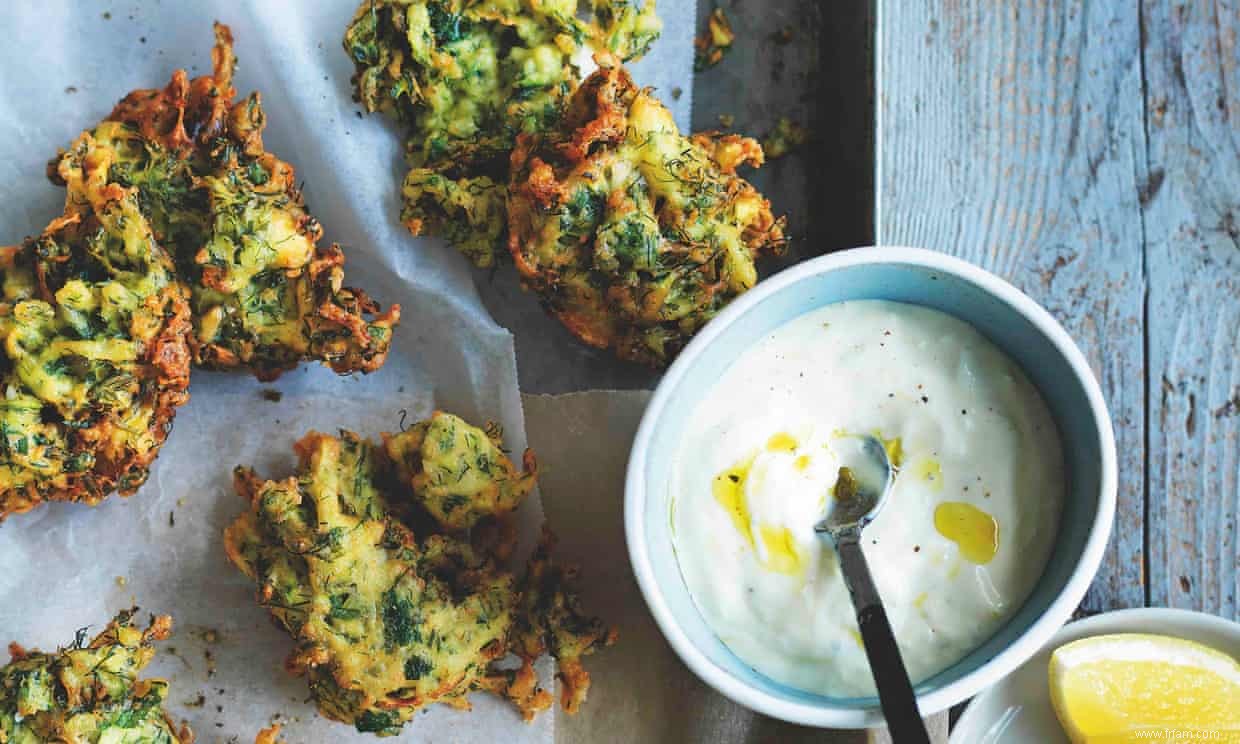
(64, 566)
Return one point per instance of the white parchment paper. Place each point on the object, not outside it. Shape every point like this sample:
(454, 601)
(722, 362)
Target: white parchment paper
(62, 67)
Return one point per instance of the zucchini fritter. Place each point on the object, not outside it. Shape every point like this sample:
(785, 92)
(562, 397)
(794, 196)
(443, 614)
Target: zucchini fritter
(464, 77)
(95, 358)
(457, 472)
(387, 622)
(89, 693)
(632, 234)
(265, 296)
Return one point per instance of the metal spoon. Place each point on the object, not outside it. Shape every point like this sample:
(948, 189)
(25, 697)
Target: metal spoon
(860, 492)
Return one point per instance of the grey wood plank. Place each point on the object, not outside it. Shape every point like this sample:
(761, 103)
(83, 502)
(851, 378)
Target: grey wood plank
(1011, 134)
(1192, 225)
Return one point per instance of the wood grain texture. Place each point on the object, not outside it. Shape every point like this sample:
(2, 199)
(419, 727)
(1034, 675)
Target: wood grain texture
(1011, 134)
(1192, 225)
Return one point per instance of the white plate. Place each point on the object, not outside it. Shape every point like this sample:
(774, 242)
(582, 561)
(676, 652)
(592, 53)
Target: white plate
(1018, 710)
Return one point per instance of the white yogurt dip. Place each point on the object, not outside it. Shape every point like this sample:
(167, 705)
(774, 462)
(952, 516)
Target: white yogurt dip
(960, 543)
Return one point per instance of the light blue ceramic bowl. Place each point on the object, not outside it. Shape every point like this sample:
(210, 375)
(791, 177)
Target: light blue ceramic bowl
(1011, 320)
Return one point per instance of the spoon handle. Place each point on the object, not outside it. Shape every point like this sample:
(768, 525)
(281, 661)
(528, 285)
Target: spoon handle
(895, 692)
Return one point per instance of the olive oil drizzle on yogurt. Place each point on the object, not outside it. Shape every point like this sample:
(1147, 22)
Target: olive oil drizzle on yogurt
(779, 551)
(973, 530)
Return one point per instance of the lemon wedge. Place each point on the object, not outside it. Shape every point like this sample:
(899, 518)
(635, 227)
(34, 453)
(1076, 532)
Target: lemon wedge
(1111, 688)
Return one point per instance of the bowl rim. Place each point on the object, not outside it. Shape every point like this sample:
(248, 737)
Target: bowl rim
(825, 714)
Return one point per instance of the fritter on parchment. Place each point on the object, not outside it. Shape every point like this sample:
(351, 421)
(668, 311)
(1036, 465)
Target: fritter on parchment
(94, 361)
(464, 77)
(182, 239)
(632, 234)
(89, 693)
(264, 295)
(387, 621)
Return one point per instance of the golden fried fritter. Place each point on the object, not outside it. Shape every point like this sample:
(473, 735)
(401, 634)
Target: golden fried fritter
(384, 625)
(458, 472)
(632, 234)
(182, 239)
(464, 77)
(95, 358)
(264, 295)
(89, 693)
(386, 622)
